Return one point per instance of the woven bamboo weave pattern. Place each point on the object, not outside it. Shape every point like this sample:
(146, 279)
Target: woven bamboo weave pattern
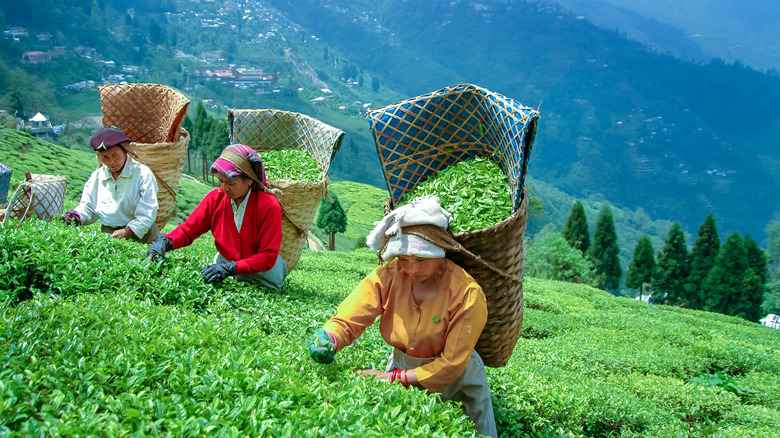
(502, 245)
(5, 183)
(41, 197)
(151, 115)
(147, 113)
(267, 130)
(418, 137)
(166, 160)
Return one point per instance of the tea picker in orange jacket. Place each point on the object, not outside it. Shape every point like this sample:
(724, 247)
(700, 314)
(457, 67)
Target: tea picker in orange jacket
(430, 310)
(121, 193)
(245, 219)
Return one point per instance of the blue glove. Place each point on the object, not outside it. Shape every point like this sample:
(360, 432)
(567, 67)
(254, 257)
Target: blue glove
(157, 249)
(321, 347)
(218, 272)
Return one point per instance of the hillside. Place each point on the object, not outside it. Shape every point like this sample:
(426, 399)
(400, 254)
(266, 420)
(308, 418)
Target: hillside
(640, 128)
(24, 153)
(129, 347)
(699, 30)
(619, 122)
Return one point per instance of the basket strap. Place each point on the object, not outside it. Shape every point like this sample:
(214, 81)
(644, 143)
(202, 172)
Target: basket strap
(442, 238)
(161, 181)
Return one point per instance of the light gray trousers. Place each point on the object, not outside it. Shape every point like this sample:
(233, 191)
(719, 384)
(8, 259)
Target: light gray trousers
(470, 389)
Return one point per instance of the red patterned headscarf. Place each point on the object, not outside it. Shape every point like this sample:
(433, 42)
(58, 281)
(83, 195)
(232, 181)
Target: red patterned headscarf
(239, 159)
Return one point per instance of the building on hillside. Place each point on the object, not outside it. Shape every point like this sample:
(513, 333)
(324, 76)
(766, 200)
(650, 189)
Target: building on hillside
(36, 57)
(39, 126)
(15, 32)
(771, 320)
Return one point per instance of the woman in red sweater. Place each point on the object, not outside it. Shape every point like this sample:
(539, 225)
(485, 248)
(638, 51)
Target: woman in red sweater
(244, 218)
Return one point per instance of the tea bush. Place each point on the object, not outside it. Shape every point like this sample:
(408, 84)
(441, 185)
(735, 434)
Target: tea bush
(96, 340)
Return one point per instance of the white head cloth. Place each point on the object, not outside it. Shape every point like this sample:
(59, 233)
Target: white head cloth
(423, 210)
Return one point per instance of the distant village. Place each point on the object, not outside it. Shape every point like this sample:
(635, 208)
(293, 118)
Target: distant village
(209, 66)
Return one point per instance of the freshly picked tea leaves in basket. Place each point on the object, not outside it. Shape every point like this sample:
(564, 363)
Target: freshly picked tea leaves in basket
(290, 165)
(475, 191)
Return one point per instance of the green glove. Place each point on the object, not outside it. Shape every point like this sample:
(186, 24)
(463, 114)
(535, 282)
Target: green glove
(321, 347)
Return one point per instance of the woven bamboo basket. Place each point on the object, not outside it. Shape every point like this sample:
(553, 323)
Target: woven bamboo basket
(269, 129)
(420, 136)
(151, 115)
(5, 183)
(40, 196)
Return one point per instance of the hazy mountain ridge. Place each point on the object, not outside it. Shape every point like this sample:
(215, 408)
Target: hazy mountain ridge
(643, 129)
(745, 31)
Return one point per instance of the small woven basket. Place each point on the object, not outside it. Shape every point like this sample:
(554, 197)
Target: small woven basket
(151, 115)
(267, 130)
(5, 183)
(418, 137)
(41, 196)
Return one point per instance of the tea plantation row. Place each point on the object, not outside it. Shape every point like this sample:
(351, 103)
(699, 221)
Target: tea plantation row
(96, 340)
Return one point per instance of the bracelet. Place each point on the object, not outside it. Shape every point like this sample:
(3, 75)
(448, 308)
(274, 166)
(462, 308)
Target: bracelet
(406, 378)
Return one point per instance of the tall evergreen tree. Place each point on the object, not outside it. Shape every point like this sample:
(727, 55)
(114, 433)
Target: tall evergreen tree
(604, 252)
(725, 280)
(771, 302)
(200, 125)
(754, 284)
(756, 258)
(703, 254)
(640, 270)
(576, 229)
(672, 269)
(332, 218)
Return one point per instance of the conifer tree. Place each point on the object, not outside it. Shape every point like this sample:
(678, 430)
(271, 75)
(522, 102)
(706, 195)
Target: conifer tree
(703, 254)
(576, 229)
(604, 252)
(640, 270)
(200, 125)
(672, 269)
(725, 280)
(754, 284)
(771, 302)
(332, 218)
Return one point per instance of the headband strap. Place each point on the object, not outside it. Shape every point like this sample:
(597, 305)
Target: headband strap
(241, 162)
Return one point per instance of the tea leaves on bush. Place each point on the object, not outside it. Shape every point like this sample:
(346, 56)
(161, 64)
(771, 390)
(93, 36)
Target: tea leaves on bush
(291, 165)
(475, 191)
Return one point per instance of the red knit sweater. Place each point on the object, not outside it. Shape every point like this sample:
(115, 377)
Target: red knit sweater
(255, 248)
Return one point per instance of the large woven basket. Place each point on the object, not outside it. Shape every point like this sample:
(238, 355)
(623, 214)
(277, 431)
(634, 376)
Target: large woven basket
(418, 137)
(267, 130)
(151, 115)
(41, 196)
(5, 183)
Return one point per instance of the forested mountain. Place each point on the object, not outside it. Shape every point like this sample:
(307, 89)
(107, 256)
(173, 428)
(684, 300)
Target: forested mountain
(641, 128)
(619, 121)
(735, 30)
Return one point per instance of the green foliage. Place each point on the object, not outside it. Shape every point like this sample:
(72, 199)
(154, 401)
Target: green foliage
(724, 282)
(640, 270)
(22, 152)
(363, 205)
(291, 165)
(474, 191)
(332, 218)
(576, 229)
(604, 252)
(672, 269)
(551, 257)
(92, 354)
(703, 254)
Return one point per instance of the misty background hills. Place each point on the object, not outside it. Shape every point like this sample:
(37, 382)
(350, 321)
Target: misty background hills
(620, 121)
(734, 30)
